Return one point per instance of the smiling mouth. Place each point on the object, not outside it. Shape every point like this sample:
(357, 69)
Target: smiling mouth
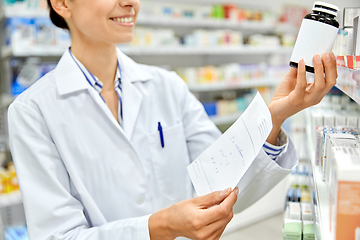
(123, 19)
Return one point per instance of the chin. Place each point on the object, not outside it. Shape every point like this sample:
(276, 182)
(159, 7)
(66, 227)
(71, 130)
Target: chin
(124, 39)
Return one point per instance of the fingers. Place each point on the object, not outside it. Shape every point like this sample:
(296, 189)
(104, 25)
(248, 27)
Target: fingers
(201, 222)
(220, 229)
(309, 87)
(212, 199)
(220, 211)
(301, 82)
(215, 229)
(323, 82)
(219, 233)
(211, 232)
(231, 199)
(329, 61)
(292, 72)
(319, 81)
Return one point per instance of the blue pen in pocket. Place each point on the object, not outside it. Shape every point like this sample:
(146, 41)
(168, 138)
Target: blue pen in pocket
(161, 135)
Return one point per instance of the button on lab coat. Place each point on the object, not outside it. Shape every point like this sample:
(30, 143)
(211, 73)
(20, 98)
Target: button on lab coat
(83, 176)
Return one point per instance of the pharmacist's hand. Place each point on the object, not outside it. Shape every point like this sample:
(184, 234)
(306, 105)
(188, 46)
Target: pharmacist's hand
(294, 93)
(199, 218)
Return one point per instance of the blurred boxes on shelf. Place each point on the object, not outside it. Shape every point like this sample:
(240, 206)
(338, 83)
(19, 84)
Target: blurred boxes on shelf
(230, 12)
(16, 233)
(296, 224)
(204, 38)
(292, 229)
(231, 74)
(347, 43)
(24, 33)
(332, 112)
(308, 230)
(151, 37)
(336, 165)
(298, 214)
(345, 190)
(226, 107)
(26, 72)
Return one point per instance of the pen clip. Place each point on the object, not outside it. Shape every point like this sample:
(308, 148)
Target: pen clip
(161, 135)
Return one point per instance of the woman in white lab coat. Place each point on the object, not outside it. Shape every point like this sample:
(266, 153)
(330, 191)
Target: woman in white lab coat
(101, 144)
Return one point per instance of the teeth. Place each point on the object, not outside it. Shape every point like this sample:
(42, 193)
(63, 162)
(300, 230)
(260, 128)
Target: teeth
(123, 20)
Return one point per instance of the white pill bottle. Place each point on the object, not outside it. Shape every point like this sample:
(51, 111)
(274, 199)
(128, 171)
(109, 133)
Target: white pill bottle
(317, 34)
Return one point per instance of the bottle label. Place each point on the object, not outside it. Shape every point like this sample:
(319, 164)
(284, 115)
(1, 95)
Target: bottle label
(314, 38)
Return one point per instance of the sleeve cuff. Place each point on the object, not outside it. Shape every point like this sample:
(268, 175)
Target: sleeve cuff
(282, 143)
(143, 228)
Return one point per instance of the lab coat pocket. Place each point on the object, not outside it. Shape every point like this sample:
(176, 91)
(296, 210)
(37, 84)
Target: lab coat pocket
(170, 161)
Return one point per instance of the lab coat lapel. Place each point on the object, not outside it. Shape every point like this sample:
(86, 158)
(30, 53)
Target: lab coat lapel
(132, 99)
(131, 74)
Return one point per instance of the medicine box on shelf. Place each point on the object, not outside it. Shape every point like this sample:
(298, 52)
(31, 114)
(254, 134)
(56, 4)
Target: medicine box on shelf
(345, 193)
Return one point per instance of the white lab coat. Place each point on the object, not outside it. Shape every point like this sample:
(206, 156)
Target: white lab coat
(82, 176)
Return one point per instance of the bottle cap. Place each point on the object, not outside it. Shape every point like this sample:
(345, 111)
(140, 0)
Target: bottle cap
(326, 8)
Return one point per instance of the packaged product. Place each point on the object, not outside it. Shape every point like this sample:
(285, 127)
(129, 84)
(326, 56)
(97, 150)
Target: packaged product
(345, 192)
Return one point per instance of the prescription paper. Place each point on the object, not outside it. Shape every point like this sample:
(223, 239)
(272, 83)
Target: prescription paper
(223, 164)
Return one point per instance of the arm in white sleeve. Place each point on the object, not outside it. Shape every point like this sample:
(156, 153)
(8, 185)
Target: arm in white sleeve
(51, 211)
(264, 173)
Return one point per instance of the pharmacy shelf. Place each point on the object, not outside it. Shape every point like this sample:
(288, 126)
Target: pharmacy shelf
(349, 82)
(10, 199)
(243, 50)
(37, 51)
(2, 14)
(5, 52)
(25, 13)
(323, 199)
(257, 26)
(314, 201)
(247, 25)
(250, 83)
(6, 100)
(55, 51)
(227, 119)
(321, 192)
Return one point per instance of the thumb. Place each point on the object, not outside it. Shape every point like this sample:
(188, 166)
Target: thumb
(213, 198)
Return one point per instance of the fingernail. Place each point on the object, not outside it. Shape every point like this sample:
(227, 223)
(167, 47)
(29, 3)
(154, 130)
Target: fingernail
(327, 56)
(301, 63)
(236, 191)
(332, 56)
(225, 192)
(317, 58)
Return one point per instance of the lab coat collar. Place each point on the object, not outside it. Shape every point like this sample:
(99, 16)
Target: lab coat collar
(132, 70)
(69, 78)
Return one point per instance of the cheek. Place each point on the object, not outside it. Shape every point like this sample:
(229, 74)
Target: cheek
(137, 7)
(85, 19)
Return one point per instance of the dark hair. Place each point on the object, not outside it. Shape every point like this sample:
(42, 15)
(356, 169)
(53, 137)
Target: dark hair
(56, 19)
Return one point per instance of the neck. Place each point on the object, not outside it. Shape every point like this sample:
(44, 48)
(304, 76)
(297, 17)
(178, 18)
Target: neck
(99, 58)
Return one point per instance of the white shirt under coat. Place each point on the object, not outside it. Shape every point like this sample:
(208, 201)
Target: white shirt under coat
(83, 176)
